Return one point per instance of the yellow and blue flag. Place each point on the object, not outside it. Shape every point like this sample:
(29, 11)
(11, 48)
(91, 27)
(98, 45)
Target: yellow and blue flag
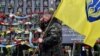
(83, 16)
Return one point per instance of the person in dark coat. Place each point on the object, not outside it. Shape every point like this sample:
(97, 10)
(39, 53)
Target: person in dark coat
(50, 44)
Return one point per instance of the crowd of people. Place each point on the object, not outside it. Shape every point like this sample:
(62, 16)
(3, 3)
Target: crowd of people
(48, 42)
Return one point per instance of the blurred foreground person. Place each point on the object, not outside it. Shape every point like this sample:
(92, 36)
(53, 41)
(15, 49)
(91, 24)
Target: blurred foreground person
(50, 44)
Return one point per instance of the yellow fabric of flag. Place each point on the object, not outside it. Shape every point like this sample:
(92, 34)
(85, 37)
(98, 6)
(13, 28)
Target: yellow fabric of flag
(73, 14)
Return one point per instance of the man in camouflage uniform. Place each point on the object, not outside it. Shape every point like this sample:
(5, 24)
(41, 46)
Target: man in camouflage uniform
(50, 45)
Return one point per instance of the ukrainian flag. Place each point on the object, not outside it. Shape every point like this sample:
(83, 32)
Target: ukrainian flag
(82, 16)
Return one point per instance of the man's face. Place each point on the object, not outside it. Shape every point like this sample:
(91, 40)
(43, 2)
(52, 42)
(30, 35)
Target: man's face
(45, 18)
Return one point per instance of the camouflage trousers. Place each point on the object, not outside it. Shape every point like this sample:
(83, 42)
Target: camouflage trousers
(55, 51)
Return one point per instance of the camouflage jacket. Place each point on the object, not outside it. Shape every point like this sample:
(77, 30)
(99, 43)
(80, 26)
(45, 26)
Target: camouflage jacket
(52, 39)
